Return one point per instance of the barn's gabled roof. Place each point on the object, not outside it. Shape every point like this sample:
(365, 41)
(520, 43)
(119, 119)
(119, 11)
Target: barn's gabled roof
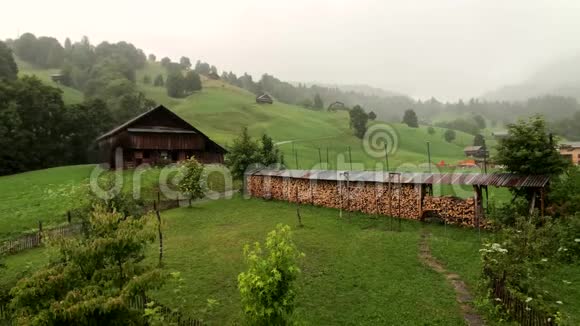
(475, 179)
(264, 96)
(472, 148)
(161, 129)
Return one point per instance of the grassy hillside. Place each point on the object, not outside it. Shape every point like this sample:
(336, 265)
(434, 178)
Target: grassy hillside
(69, 94)
(221, 110)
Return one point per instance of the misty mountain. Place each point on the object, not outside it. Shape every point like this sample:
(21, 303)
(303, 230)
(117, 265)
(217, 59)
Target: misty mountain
(560, 78)
(361, 89)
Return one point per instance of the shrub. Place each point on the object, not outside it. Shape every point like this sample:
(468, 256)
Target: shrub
(449, 135)
(267, 287)
(93, 278)
(190, 173)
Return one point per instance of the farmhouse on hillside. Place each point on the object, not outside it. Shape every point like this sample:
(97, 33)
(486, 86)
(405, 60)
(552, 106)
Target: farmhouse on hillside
(571, 151)
(157, 136)
(336, 106)
(264, 98)
(474, 151)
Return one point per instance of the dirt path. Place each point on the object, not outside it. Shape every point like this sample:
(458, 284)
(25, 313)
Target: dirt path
(462, 293)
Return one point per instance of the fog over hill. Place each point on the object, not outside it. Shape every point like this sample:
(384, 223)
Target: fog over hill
(558, 78)
(445, 49)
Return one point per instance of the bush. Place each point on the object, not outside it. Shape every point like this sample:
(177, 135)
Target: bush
(431, 130)
(449, 135)
(93, 278)
(190, 173)
(523, 255)
(564, 197)
(267, 287)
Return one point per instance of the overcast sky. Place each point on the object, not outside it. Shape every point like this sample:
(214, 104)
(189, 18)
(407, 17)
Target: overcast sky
(442, 48)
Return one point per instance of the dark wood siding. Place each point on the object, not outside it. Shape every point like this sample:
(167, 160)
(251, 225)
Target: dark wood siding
(166, 141)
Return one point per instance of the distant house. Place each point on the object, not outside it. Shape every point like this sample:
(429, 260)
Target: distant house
(571, 151)
(500, 134)
(264, 98)
(474, 151)
(57, 78)
(157, 136)
(336, 106)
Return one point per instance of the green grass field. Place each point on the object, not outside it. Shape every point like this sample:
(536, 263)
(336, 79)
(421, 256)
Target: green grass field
(46, 195)
(356, 270)
(69, 94)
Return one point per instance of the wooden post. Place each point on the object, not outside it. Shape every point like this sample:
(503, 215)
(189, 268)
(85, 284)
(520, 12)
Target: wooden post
(39, 231)
(298, 209)
(420, 187)
(156, 208)
(68, 217)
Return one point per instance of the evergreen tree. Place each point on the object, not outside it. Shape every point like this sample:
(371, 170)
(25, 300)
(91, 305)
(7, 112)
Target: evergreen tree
(268, 152)
(192, 81)
(165, 61)
(158, 82)
(358, 121)
(480, 121)
(185, 62)
(372, 115)
(479, 140)
(449, 135)
(243, 153)
(410, 118)
(175, 85)
(8, 67)
(318, 104)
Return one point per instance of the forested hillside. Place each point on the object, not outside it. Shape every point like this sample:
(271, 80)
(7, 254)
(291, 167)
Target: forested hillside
(100, 86)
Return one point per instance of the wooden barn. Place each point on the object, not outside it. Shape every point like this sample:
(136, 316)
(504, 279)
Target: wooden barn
(264, 99)
(336, 106)
(475, 151)
(158, 136)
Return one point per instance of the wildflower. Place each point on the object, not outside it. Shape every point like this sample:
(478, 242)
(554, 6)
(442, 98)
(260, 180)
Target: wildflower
(544, 260)
(559, 302)
(497, 299)
(577, 240)
(528, 299)
(566, 282)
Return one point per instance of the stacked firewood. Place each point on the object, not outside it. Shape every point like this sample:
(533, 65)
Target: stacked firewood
(452, 209)
(399, 200)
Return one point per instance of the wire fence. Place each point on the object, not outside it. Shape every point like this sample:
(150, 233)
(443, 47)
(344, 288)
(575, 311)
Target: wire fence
(517, 308)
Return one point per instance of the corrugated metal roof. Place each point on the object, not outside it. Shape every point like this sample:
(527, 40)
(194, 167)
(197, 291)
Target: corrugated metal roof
(573, 144)
(492, 179)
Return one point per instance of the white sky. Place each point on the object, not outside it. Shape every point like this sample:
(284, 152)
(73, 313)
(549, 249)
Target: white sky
(442, 48)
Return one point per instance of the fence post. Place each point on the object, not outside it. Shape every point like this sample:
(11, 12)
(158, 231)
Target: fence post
(68, 217)
(39, 231)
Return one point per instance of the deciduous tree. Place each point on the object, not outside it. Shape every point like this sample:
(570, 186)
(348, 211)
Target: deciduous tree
(358, 121)
(410, 118)
(267, 288)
